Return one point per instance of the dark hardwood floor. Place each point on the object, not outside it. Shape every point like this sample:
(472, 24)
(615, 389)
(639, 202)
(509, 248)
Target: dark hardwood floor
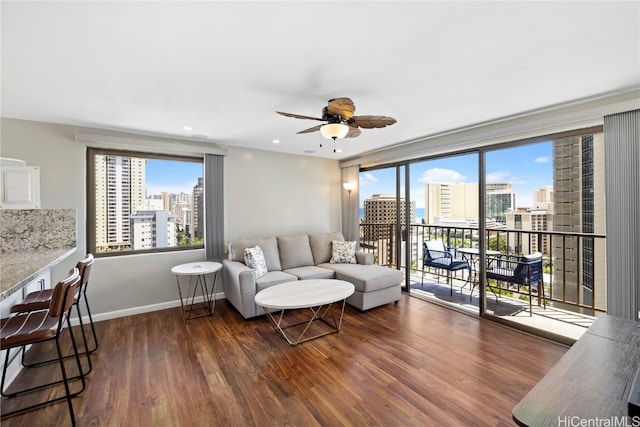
(410, 364)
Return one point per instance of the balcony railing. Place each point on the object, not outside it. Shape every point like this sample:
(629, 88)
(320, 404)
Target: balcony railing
(573, 263)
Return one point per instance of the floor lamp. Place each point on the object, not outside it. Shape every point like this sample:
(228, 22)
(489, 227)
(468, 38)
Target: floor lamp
(349, 186)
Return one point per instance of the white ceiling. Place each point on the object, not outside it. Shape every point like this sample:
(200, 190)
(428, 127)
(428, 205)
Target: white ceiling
(224, 68)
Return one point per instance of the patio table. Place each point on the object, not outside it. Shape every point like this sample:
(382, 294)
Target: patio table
(472, 255)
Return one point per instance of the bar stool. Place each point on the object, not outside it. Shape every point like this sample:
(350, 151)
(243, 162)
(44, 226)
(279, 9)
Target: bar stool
(39, 326)
(39, 300)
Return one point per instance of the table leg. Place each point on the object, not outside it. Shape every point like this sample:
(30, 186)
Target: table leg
(188, 304)
(472, 278)
(318, 313)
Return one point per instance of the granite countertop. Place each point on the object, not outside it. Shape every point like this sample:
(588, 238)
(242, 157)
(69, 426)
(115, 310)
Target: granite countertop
(17, 268)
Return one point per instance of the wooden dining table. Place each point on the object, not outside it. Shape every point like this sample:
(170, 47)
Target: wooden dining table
(591, 383)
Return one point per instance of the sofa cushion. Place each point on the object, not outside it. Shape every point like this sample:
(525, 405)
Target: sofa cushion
(295, 251)
(366, 278)
(311, 272)
(321, 245)
(254, 259)
(273, 278)
(269, 246)
(343, 252)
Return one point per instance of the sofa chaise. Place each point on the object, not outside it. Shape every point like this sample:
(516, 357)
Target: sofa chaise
(305, 256)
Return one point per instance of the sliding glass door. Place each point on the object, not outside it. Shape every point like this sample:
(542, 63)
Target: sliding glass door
(383, 213)
(405, 206)
(446, 194)
(519, 227)
(545, 220)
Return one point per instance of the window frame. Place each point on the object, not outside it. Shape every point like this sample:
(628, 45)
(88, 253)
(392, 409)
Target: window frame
(91, 198)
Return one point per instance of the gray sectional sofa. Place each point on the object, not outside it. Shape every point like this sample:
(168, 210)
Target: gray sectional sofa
(305, 256)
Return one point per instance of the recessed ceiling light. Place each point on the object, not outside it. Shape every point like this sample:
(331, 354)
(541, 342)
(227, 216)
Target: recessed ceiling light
(187, 128)
(276, 141)
(338, 150)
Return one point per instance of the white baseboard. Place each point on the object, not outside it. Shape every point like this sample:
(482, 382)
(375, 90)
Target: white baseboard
(135, 310)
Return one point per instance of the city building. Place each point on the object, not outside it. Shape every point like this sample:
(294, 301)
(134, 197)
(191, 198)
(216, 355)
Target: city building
(182, 212)
(382, 209)
(459, 201)
(154, 203)
(120, 192)
(450, 200)
(500, 199)
(579, 207)
(153, 229)
(535, 219)
(198, 210)
(543, 195)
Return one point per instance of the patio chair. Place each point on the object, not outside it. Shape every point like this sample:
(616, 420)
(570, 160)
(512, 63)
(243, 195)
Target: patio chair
(439, 256)
(519, 271)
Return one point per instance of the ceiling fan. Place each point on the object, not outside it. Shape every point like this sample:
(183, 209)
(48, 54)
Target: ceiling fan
(340, 121)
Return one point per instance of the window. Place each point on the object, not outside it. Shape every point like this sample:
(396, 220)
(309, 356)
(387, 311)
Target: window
(142, 202)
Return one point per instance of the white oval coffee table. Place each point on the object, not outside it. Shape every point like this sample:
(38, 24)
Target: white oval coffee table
(317, 295)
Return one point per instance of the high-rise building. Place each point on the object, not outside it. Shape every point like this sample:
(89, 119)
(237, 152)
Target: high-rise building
(182, 212)
(153, 229)
(120, 192)
(450, 200)
(530, 219)
(153, 203)
(500, 199)
(579, 208)
(446, 201)
(198, 210)
(382, 209)
(166, 200)
(543, 195)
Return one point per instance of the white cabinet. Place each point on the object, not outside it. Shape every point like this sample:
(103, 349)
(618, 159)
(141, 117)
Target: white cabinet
(19, 187)
(43, 281)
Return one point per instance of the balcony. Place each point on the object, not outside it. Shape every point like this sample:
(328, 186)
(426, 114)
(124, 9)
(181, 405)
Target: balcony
(574, 274)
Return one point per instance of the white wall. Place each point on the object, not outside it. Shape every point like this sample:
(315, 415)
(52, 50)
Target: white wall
(270, 194)
(265, 193)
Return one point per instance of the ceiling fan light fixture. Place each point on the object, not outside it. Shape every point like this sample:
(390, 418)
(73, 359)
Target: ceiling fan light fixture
(334, 130)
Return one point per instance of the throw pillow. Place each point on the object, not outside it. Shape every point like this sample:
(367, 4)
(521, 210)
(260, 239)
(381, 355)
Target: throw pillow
(343, 252)
(254, 259)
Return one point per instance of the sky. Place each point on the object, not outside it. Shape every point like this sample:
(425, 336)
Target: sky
(172, 176)
(527, 168)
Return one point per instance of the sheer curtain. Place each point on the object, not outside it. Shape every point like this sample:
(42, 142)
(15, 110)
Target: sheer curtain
(622, 189)
(214, 206)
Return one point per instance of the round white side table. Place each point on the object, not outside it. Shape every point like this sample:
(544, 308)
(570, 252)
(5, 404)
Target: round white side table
(197, 271)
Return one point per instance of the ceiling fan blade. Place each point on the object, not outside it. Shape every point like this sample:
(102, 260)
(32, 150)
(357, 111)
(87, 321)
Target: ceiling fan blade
(353, 132)
(370, 122)
(313, 129)
(342, 107)
(298, 116)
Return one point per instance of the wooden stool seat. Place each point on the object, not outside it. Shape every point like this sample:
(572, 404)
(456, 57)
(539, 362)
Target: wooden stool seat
(38, 300)
(28, 328)
(34, 327)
